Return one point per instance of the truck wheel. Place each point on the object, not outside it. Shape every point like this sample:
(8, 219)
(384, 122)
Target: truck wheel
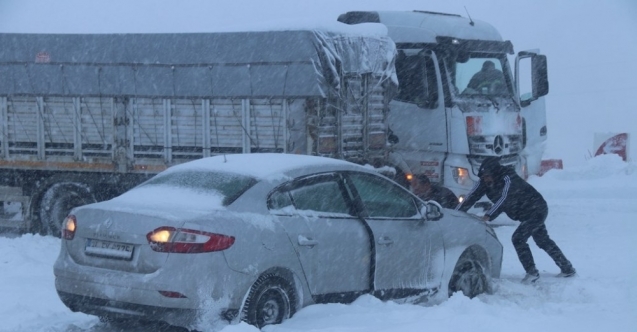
(271, 301)
(468, 278)
(56, 203)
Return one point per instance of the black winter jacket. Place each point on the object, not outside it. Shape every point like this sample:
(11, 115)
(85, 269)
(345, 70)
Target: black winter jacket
(510, 194)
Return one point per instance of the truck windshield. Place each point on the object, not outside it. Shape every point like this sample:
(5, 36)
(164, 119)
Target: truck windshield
(481, 76)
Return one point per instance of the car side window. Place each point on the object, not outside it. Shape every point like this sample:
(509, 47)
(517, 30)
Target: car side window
(382, 198)
(280, 200)
(315, 195)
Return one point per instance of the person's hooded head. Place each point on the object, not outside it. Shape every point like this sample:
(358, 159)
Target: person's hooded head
(490, 169)
(488, 65)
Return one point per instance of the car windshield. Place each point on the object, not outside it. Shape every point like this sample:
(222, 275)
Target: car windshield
(229, 186)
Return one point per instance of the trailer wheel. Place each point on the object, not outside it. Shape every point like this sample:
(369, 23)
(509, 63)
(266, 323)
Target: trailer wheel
(56, 203)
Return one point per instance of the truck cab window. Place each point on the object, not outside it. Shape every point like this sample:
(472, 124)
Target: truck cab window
(417, 82)
(481, 76)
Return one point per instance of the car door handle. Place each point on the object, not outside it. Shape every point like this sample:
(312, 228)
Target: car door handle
(308, 242)
(385, 240)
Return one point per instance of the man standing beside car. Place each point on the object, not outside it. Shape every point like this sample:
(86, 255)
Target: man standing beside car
(520, 201)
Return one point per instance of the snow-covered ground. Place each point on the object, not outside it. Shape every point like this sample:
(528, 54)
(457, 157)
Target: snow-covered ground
(593, 218)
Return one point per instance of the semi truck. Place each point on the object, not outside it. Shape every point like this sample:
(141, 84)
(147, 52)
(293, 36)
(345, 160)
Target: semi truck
(85, 117)
(444, 125)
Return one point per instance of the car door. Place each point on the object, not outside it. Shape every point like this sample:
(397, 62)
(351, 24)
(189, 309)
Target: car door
(409, 251)
(331, 242)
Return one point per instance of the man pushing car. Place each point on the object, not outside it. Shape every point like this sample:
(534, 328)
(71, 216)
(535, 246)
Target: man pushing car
(520, 201)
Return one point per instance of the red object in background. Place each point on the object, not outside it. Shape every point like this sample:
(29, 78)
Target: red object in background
(617, 144)
(549, 164)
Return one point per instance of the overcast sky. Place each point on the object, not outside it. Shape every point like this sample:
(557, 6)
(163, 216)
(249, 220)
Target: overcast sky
(591, 45)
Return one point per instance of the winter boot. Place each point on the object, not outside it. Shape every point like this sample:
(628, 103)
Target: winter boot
(566, 273)
(531, 277)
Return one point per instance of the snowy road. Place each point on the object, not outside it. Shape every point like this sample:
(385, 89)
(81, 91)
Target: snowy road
(593, 218)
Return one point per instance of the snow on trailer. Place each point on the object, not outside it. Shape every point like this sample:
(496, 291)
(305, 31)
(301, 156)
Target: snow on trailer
(82, 112)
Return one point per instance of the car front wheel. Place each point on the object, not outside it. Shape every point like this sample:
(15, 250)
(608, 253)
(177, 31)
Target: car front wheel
(468, 278)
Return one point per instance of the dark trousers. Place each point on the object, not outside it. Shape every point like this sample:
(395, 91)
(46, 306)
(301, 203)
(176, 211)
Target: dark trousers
(534, 227)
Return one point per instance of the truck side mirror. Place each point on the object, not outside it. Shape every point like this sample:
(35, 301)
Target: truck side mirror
(531, 76)
(540, 76)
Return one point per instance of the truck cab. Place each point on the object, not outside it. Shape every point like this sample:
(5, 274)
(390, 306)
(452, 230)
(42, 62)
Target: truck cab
(450, 113)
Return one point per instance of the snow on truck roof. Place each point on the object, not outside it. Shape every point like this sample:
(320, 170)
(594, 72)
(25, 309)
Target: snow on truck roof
(259, 165)
(278, 63)
(424, 27)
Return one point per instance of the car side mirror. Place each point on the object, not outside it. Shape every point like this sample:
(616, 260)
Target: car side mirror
(432, 211)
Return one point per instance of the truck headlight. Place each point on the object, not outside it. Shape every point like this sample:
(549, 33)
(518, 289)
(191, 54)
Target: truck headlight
(461, 176)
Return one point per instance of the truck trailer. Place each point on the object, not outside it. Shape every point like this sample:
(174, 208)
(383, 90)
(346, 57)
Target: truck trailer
(85, 117)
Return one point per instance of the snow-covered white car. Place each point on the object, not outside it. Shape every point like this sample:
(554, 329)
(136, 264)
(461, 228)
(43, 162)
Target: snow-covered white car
(256, 237)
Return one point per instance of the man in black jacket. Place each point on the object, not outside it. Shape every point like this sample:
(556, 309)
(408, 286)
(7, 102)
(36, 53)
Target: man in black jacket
(423, 188)
(489, 79)
(520, 201)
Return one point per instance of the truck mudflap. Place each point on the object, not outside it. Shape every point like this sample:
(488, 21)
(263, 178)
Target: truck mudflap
(14, 208)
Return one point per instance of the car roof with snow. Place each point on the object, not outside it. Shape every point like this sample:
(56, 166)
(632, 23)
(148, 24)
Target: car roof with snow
(261, 165)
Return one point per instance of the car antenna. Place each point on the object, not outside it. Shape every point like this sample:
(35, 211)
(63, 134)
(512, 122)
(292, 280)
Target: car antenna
(470, 20)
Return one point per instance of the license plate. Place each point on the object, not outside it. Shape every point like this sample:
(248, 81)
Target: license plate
(109, 249)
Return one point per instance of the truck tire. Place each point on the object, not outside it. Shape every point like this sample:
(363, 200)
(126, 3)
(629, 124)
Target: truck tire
(271, 300)
(56, 203)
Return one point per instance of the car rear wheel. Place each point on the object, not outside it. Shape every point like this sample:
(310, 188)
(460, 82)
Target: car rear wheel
(271, 301)
(468, 278)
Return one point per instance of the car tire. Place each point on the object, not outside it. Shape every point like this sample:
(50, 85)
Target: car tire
(468, 278)
(271, 300)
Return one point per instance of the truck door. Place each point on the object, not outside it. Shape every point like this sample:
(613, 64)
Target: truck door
(417, 116)
(532, 85)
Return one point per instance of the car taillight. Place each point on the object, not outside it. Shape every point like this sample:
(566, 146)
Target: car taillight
(68, 227)
(187, 241)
